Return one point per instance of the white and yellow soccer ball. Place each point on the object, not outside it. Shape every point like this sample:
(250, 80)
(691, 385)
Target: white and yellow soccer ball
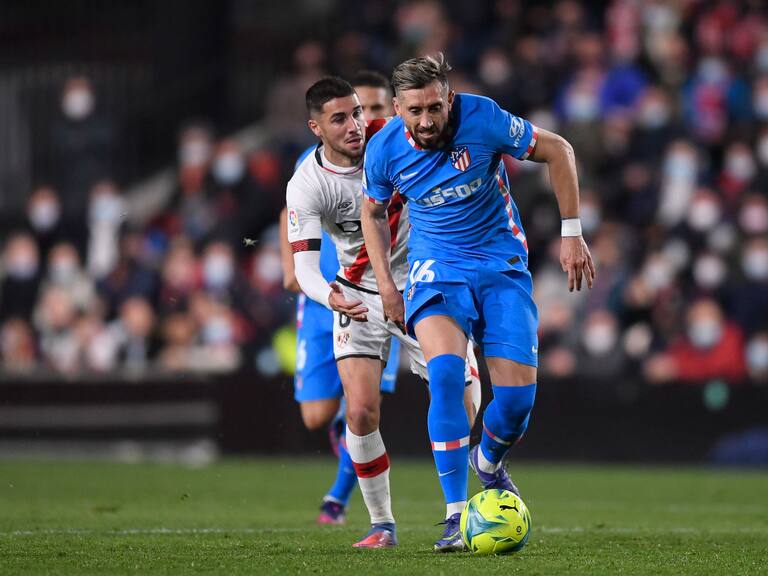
(495, 522)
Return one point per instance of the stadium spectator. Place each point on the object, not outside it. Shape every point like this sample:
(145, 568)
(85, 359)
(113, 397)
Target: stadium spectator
(711, 348)
(21, 276)
(83, 143)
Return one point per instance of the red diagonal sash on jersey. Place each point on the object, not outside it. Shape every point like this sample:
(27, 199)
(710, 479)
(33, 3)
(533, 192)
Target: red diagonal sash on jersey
(354, 273)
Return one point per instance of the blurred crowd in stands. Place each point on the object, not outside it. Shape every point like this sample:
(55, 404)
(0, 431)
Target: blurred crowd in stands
(665, 103)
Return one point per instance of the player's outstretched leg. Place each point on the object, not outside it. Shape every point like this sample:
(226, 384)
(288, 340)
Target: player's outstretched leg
(333, 509)
(371, 463)
(504, 422)
(449, 433)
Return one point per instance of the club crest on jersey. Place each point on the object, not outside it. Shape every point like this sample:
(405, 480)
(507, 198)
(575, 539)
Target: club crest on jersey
(342, 339)
(460, 158)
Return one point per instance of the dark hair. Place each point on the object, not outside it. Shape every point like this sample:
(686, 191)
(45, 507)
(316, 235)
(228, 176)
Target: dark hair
(327, 89)
(369, 78)
(420, 72)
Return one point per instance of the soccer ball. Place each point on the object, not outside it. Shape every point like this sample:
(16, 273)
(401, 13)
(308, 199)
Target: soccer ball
(495, 522)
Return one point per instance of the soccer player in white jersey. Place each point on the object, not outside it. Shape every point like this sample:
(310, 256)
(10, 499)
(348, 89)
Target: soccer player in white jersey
(317, 385)
(468, 256)
(325, 194)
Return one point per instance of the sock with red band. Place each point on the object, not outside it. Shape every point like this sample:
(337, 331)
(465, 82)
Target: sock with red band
(448, 428)
(371, 463)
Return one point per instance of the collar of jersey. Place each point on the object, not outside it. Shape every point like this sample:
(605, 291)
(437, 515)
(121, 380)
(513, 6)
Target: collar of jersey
(326, 164)
(413, 143)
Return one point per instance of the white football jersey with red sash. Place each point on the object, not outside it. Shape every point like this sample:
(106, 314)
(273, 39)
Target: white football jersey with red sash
(322, 196)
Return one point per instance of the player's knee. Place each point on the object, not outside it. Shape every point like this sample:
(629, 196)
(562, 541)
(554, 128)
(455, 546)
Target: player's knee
(316, 416)
(514, 405)
(363, 417)
(446, 377)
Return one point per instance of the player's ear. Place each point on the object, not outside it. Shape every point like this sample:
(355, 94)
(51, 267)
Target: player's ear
(396, 105)
(313, 125)
(451, 95)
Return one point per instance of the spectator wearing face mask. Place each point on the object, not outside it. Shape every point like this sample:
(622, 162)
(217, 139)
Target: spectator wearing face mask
(44, 217)
(750, 295)
(712, 348)
(64, 270)
(20, 276)
(106, 213)
(600, 354)
(757, 358)
(82, 149)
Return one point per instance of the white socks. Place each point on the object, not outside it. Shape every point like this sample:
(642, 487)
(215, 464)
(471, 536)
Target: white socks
(371, 462)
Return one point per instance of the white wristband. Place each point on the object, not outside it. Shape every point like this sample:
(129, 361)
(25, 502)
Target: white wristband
(570, 227)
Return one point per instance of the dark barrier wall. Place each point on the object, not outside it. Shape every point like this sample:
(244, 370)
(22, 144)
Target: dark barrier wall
(248, 414)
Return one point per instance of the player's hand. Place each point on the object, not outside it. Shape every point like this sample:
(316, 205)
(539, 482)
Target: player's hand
(394, 309)
(577, 262)
(352, 308)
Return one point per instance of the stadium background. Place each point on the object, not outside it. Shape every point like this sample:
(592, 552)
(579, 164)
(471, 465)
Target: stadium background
(144, 150)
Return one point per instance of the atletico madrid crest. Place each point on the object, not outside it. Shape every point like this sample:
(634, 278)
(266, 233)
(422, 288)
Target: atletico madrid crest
(460, 158)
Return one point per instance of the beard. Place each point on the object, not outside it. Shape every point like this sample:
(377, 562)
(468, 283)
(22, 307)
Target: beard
(436, 137)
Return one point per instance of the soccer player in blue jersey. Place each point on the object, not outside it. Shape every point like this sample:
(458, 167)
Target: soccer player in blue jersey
(317, 386)
(468, 260)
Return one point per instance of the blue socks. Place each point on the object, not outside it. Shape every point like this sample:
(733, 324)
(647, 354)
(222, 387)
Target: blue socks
(506, 419)
(346, 479)
(448, 426)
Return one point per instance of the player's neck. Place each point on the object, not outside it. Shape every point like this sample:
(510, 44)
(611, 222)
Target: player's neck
(339, 160)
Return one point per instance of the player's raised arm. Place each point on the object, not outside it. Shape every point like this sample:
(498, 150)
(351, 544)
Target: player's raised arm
(574, 253)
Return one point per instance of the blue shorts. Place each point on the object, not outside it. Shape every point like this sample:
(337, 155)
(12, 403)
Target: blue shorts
(495, 307)
(316, 375)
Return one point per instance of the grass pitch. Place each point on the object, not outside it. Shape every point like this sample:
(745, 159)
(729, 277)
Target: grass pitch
(257, 517)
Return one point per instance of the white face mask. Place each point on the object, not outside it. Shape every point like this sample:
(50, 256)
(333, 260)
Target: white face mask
(654, 115)
(753, 219)
(21, 265)
(709, 272)
(217, 270)
(269, 267)
(77, 103)
(217, 330)
(658, 274)
(680, 166)
(757, 355)
(194, 152)
(582, 106)
(44, 215)
(705, 333)
(599, 339)
(63, 270)
(740, 166)
(106, 208)
(495, 70)
(755, 264)
(703, 215)
(228, 168)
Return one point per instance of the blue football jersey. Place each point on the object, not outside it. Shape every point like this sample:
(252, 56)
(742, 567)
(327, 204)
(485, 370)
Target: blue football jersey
(329, 262)
(458, 196)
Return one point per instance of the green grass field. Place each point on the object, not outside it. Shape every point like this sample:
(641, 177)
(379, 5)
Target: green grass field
(256, 517)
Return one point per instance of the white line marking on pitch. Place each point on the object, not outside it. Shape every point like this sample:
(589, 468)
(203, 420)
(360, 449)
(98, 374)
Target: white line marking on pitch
(193, 531)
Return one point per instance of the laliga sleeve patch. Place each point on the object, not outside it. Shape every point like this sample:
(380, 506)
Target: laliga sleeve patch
(293, 221)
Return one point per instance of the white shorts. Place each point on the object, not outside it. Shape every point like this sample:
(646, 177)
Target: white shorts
(371, 339)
